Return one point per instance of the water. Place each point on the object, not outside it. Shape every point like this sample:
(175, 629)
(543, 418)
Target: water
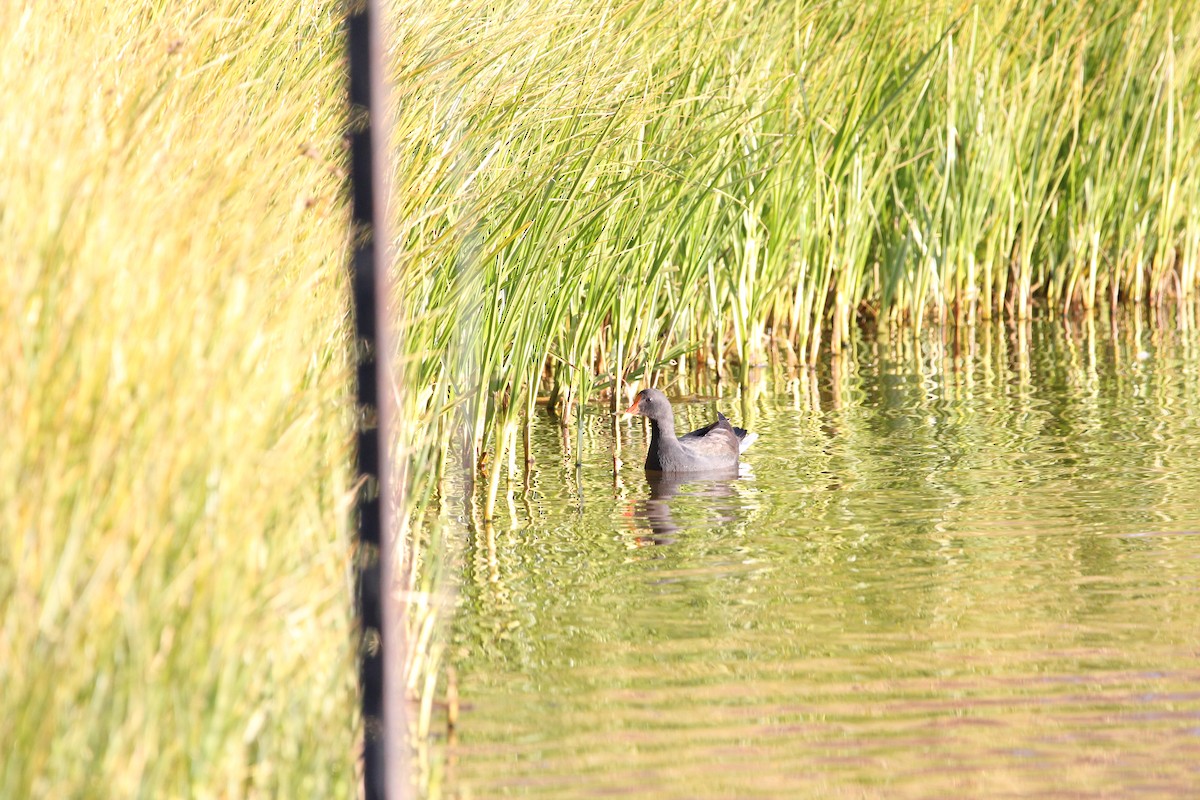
(955, 570)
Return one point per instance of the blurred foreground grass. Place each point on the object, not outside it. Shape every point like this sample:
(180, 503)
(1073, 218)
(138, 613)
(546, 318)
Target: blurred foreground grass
(173, 583)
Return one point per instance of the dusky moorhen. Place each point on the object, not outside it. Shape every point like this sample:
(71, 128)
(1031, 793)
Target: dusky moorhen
(713, 447)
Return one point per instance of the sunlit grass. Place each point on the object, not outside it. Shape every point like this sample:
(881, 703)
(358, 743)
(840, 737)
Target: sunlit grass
(586, 197)
(590, 192)
(173, 584)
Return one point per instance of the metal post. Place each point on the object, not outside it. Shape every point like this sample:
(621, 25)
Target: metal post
(379, 608)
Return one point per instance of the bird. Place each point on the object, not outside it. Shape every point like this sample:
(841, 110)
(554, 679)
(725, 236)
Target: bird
(711, 448)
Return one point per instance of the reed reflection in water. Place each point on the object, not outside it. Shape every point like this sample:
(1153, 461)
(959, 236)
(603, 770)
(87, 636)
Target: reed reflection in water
(962, 566)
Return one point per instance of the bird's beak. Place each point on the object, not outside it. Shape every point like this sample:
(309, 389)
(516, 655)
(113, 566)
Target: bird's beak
(633, 409)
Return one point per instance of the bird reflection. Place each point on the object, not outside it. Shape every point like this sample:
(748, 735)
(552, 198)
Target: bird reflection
(655, 510)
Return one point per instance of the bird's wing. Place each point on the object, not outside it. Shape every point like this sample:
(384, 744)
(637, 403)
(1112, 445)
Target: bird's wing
(699, 433)
(714, 440)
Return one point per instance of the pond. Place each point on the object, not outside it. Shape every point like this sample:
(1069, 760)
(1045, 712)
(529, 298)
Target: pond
(961, 567)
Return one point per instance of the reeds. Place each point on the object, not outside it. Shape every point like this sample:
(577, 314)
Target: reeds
(174, 580)
(605, 189)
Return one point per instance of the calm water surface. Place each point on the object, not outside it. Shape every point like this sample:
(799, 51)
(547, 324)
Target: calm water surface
(954, 570)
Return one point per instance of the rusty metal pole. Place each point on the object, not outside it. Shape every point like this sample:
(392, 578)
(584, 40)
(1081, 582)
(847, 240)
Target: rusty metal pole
(380, 609)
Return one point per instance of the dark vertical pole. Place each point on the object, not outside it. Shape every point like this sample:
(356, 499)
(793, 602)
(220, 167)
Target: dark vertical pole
(380, 648)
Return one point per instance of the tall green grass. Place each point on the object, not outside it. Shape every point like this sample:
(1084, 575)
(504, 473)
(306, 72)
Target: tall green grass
(588, 194)
(174, 585)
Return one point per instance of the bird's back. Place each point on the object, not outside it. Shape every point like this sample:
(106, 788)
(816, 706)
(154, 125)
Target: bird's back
(714, 446)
